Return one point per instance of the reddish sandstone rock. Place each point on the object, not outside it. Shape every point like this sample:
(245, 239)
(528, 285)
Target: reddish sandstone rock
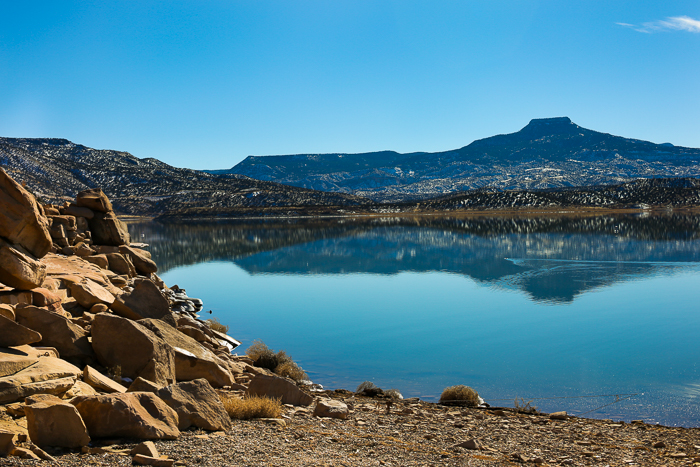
(192, 360)
(12, 333)
(59, 332)
(99, 381)
(196, 404)
(107, 229)
(22, 221)
(94, 199)
(135, 349)
(53, 422)
(145, 301)
(130, 415)
(19, 269)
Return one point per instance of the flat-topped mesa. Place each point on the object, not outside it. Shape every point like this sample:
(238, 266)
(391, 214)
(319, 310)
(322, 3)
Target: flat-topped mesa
(549, 126)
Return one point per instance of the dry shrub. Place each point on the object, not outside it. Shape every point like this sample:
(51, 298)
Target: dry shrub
(291, 370)
(262, 355)
(216, 325)
(460, 395)
(251, 407)
(394, 394)
(365, 385)
(369, 389)
(280, 363)
(523, 406)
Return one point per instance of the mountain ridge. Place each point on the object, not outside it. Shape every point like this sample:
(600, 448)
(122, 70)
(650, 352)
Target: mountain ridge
(546, 153)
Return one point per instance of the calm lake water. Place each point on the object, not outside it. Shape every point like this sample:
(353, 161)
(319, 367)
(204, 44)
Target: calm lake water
(598, 316)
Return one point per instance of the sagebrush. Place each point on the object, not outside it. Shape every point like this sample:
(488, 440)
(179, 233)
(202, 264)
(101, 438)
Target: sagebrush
(251, 407)
(216, 325)
(461, 395)
(280, 363)
(523, 406)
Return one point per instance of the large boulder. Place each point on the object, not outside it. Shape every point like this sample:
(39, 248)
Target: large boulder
(144, 265)
(45, 298)
(53, 422)
(16, 359)
(196, 404)
(145, 301)
(13, 333)
(47, 375)
(88, 293)
(93, 199)
(192, 359)
(59, 332)
(139, 415)
(278, 388)
(121, 342)
(99, 381)
(21, 219)
(107, 229)
(78, 211)
(18, 268)
(121, 264)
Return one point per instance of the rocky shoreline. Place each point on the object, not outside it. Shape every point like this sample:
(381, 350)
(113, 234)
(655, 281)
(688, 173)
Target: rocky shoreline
(97, 355)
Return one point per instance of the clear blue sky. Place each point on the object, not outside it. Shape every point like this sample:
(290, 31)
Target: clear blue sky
(205, 83)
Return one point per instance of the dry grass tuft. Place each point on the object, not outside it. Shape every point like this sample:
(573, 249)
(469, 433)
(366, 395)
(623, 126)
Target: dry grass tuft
(280, 363)
(251, 407)
(216, 325)
(291, 370)
(460, 394)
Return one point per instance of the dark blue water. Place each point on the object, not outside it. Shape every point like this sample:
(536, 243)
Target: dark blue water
(571, 313)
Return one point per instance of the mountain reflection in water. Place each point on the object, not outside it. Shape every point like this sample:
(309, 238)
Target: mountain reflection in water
(551, 259)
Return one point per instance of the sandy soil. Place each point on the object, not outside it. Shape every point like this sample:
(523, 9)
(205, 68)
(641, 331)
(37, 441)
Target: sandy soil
(413, 433)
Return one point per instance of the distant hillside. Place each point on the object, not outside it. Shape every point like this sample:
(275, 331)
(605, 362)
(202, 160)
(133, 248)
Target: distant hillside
(547, 153)
(56, 169)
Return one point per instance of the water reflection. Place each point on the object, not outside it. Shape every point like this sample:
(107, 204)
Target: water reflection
(551, 259)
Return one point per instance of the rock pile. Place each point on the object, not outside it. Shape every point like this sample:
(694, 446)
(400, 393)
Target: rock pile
(93, 344)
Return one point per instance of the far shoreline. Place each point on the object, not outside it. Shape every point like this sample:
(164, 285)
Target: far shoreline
(274, 213)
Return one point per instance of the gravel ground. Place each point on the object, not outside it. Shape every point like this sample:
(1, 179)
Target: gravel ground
(413, 433)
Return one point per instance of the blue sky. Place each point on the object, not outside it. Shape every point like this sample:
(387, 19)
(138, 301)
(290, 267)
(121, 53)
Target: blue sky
(205, 83)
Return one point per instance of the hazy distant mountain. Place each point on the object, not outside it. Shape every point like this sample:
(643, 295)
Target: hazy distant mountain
(56, 169)
(547, 153)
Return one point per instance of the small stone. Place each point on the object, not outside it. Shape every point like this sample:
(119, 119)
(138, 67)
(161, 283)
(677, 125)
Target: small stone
(24, 454)
(273, 421)
(659, 445)
(558, 416)
(147, 448)
(331, 408)
(472, 444)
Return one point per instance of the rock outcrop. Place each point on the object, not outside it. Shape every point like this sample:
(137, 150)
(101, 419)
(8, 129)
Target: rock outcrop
(83, 316)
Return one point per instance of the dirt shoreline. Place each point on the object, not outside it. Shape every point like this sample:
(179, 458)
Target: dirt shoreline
(413, 433)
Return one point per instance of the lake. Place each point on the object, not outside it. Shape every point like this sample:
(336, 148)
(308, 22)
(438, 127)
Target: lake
(598, 315)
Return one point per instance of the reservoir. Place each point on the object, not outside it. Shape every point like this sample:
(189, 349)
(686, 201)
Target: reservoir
(595, 315)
